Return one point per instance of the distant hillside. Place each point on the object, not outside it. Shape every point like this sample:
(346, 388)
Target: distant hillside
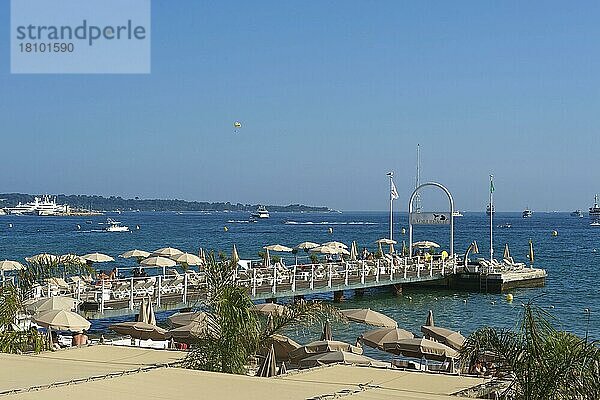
(101, 203)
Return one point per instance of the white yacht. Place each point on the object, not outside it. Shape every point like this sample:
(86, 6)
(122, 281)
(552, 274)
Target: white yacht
(595, 210)
(456, 214)
(115, 226)
(261, 212)
(577, 213)
(527, 213)
(39, 206)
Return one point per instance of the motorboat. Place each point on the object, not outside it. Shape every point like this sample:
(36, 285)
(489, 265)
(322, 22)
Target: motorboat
(505, 226)
(115, 226)
(577, 213)
(527, 213)
(457, 214)
(490, 209)
(43, 206)
(595, 223)
(261, 212)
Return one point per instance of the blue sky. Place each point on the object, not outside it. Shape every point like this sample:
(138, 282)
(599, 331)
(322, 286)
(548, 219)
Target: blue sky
(331, 95)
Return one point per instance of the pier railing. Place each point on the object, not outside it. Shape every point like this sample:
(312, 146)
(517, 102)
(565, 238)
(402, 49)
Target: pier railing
(261, 282)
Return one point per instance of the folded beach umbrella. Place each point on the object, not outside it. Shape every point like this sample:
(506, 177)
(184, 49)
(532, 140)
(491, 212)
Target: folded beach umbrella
(336, 244)
(429, 321)
(267, 258)
(139, 330)
(377, 337)
(135, 254)
(150, 316)
(307, 245)
(143, 313)
(52, 303)
(353, 251)
(235, 257)
(268, 368)
(97, 257)
(167, 252)
(187, 258)
(421, 348)
(278, 247)
(340, 357)
(323, 346)
(446, 336)
(327, 333)
(185, 318)
(270, 308)
(369, 317)
(62, 320)
(158, 262)
(506, 251)
(282, 369)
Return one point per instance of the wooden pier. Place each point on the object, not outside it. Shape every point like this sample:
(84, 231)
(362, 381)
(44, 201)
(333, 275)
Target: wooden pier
(174, 291)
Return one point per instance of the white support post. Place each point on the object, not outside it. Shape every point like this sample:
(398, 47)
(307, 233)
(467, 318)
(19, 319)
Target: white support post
(274, 279)
(431, 267)
(329, 281)
(377, 272)
(392, 271)
(405, 270)
(159, 290)
(312, 276)
(164, 271)
(443, 267)
(131, 294)
(346, 278)
(253, 282)
(102, 298)
(418, 270)
(454, 265)
(185, 288)
(362, 275)
(49, 290)
(294, 279)
(79, 291)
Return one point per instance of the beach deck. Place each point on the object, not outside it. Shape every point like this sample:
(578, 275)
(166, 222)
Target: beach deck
(101, 372)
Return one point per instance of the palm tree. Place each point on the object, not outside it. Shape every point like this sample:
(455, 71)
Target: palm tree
(537, 361)
(13, 340)
(235, 332)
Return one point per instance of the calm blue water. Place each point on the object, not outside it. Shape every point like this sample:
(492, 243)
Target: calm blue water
(572, 259)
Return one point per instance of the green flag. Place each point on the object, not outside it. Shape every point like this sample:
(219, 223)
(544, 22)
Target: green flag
(492, 186)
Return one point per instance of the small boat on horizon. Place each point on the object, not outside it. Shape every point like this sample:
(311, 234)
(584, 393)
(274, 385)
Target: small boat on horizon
(261, 212)
(577, 213)
(527, 213)
(115, 226)
(457, 214)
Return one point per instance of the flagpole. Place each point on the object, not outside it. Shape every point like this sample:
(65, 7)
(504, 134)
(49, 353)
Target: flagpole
(391, 174)
(491, 218)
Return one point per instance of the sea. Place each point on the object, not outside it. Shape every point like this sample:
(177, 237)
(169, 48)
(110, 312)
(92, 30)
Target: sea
(571, 258)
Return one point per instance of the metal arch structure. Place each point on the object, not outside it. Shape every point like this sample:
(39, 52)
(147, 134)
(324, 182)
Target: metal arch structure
(410, 210)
